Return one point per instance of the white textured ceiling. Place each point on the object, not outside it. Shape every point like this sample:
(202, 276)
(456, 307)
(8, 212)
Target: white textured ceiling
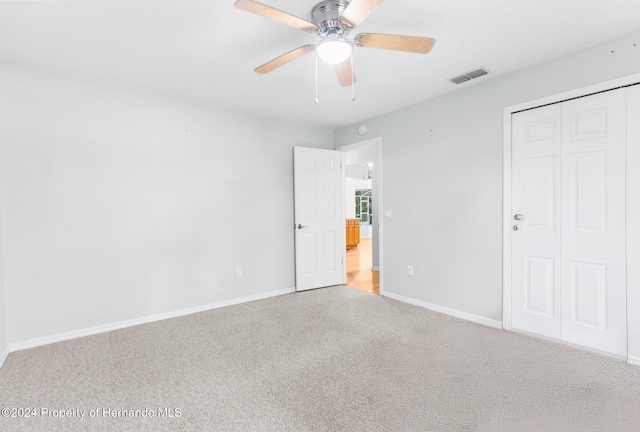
(206, 49)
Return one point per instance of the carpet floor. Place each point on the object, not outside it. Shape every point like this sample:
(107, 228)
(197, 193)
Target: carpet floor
(334, 359)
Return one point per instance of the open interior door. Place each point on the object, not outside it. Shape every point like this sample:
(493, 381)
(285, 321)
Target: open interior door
(319, 218)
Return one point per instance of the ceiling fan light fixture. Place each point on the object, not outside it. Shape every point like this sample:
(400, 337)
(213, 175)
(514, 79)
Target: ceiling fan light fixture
(334, 50)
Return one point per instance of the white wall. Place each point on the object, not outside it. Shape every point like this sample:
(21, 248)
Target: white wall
(357, 171)
(119, 204)
(451, 146)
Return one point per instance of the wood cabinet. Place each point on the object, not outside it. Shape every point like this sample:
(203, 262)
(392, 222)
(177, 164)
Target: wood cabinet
(353, 233)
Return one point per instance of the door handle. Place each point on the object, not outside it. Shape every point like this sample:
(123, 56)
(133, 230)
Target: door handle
(518, 216)
(300, 226)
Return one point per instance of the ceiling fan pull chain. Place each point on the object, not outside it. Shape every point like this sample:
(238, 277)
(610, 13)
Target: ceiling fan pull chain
(316, 100)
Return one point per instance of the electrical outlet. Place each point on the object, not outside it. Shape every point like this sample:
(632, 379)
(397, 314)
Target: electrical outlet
(238, 271)
(410, 270)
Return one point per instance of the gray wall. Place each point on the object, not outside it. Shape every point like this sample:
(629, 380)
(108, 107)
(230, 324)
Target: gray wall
(119, 204)
(442, 174)
(4, 344)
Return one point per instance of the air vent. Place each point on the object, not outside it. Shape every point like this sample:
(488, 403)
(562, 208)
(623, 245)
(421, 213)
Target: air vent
(469, 76)
(461, 79)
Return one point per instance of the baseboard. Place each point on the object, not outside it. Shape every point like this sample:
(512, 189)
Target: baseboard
(633, 360)
(375, 268)
(4, 355)
(32, 343)
(447, 311)
(572, 345)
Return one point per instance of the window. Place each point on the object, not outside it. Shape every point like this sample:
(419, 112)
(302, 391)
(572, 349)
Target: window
(363, 206)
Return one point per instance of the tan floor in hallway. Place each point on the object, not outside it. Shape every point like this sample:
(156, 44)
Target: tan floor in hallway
(359, 273)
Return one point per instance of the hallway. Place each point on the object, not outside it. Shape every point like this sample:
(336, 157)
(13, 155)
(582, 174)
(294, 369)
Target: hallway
(359, 273)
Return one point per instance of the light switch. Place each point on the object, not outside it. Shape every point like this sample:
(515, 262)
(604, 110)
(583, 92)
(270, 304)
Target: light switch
(388, 214)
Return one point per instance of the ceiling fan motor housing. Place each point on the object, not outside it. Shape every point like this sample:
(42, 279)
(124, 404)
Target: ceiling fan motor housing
(326, 16)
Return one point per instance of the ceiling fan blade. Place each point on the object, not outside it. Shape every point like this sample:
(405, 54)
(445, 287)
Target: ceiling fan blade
(415, 44)
(274, 14)
(284, 59)
(357, 11)
(345, 73)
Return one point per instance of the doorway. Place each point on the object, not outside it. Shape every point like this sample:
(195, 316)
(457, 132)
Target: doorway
(363, 187)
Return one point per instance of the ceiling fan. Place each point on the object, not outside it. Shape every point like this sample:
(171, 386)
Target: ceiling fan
(333, 20)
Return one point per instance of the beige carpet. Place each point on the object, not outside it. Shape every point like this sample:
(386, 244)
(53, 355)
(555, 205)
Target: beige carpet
(334, 359)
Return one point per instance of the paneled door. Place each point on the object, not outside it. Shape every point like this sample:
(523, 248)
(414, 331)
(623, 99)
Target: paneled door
(536, 220)
(568, 238)
(593, 222)
(319, 218)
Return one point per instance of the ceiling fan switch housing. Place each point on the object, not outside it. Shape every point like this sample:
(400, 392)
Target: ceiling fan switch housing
(332, 28)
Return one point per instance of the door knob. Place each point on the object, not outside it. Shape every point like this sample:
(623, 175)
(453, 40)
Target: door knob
(299, 226)
(518, 216)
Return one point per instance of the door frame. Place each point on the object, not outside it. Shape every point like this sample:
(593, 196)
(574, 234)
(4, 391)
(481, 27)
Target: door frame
(377, 141)
(506, 180)
(633, 231)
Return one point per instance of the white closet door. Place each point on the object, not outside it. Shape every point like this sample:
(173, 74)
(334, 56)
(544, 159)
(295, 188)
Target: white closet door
(593, 222)
(568, 252)
(536, 189)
